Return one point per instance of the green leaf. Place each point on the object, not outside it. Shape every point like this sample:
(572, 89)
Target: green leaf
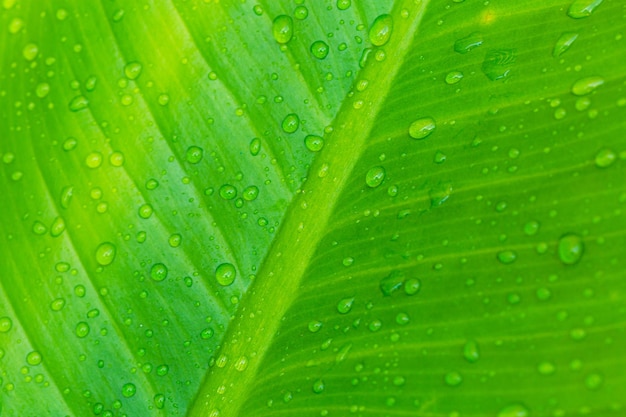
(338, 208)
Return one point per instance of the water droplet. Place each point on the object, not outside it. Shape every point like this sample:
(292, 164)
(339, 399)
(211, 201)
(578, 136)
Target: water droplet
(194, 154)
(78, 103)
(159, 401)
(315, 326)
(90, 83)
(57, 227)
(5, 324)
(34, 358)
(318, 386)
(116, 159)
(105, 254)
(422, 128)
(228, 192)
(531, 228)
(151, 184)
(570, 249)
(586, 85)
(507, 256)
(145, 211)
(174, 240)
(132, 70)
(129, 390)
(282, 28)
(42, 90)
(344, 4)
(546, 368)
(250, 193)
(82, 329)
(255, 146)
(30, 51)
(381, 29)
(593, 381)
(345, 305)
(290, 123)
(314, 143)
(582, 8)
(69, 144)
(158, 272)
(563, 43)
(207, 333)
(39, 228)
(453, 379)
(241, 364)
(375, 325)
(391, 283)
(498, 63)
(440, 193)
(605, 157)
(454, 77)
(412, 286)
(57, 304)
(402, 318)
(319, 49)
(470, 351)
(375, 176)
(514, 410)
(225, 274)
(93, 160)
(163, 99)
(466, 44)
(15, 25)
(543, 293)
(301, 12)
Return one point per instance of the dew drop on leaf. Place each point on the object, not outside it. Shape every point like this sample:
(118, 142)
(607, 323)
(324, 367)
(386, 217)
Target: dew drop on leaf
(422, 128)
(255, 146)
(42, 90)
(174, 240)
(470, 351)
(66, 196)
(129, 389)
(570, 248)
(250, 193)
(314, 143)
(531, 228)
(375, 176)
(412, 286)
(241, 364)
(498, 63)
(290, 123)
(453, 379)
(466, 44)
(605, 158)
(453, 77)
(514, 410)
(381, 29)
(90, 83)
(163, 99)
(582, 8)
(82, 329)
(586, 85)
(318, 386)
(34, 358)
(315, 326)
(105, 253)
(39, 228)
(375, 325)
(145, 211)
(546, 368)
(93, 160)
(345, 305)
(391, 283)
(57, 304)
(301, 12)
(593, 381)
(69, 144)
(282, 28)
(319, 49)
(158, 272)
(507, 256)
(344, 4)
(159, 401)
(563, 43)
(5, 324)
(132, 70)
(225, 274)
(228, 192)
(402, 318)
(57, 227)
(206, 333)
(30, 51)
(194, 154)
(78, 103)
(162, 370)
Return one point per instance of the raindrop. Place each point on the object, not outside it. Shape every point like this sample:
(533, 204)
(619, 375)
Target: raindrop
(470, 351)
(225, 274)
(69, 144)
(375, 325)
(412, 286)
(241, 364)
(105, 253)
(250, 193)
(82, 329)
(129, 390)
(466, 44)
(39, 228)
(194, 154)
(255, 146)
(159, 401)
(132, 70)
(151, 184)
(514, 410)
(290, 123)
(319, 49)
(42, 90)
(282, 29)
(375, 176)
(57, 227)
(531, 228)
(5, 324)
(344, 4)
(454, 77)
(301, 12)
(507, 256)
(582, 8)
(315, 326)
(345, 305)
(228, 192)
(116, 159)
(546, 368)
(453, 379)
(78, 103)
(498, 63)
(563, 43)
(381, 29)
(318, 386)
(593, 381)
(163, 99)
(586, 85)
(158, 272)
(605, 158)
(30, 51)
(174, 240)
(34, 358)
(207, 333)
(93, 160)
(391, 283)
(570, 249)
(145, 211)
(57, 304)
(422, 128)
(162, 370)
(314, 143)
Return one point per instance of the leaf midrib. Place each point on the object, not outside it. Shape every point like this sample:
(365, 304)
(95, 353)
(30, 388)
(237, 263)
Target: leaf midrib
(250, 334)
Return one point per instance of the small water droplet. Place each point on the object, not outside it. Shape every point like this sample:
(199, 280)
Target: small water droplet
(315, 326)
(514, 410)
(42, 90)
(159, 401)
(563, 43)
(314, 143)
(498, 63)
(116, 159)
(345, 305)
(381, 29)
(129, 390)
(57, 304)
(39, 228)
(453, 77)
(582, 8)
(162, 370)
(319, 49)
(593, 381)
(93, 160)
(250, 193)
(570, 249)
(69, 144)
(57, 227)
(225, 274)
(30, 51)
(255, 146)
(105, 253)
(174, 240)
(453, 379)
(34, 358)
(78, 103)
(158, 272)
(466, 44)
(163, 99)
(586, 85)
(5, 324)
(241, 364)
(344, 4)
(228, 192)
(391, 283)
(422, 128)
(507, 256)
(145, 211)
(546, 368)
(301, 12)
(290, 123)
(531, 228)
(412, 286)
(318, 386)
(471, 352)
(282, 29)
(194, 154)
(82, 329)
(605, 158)
(132, 70)
(375, 176)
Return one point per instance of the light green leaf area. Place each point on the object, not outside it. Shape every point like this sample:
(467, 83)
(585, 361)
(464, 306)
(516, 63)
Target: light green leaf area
(337, 208)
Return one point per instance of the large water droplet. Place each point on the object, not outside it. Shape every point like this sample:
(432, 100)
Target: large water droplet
(57, 227)
(158, 272)
(514, 410)
(563, 43)
(159, 401)
(82, 329)
(498, 63)
(225, 274)
(42, 90)
(145, 211)
(605, 158)
(250, 193)
(453, 379)
(466, 44)
(570, 249)
(470, 351)
(391, 283)
(290, 123)
(5, 324)
(412, 286)
(228, 192)
(319, 49)
(30, 51)
(78, 103)
(422, 128)
(34, 358)
(318, 386)
(375, 176)
(381, 29)
(132, 70)
(314, 143)
(345, 305)
(344, 4)
(582, 8)
(129, 389)
(282, 28)
(586, 85)
(105, 253)
(194, 154)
